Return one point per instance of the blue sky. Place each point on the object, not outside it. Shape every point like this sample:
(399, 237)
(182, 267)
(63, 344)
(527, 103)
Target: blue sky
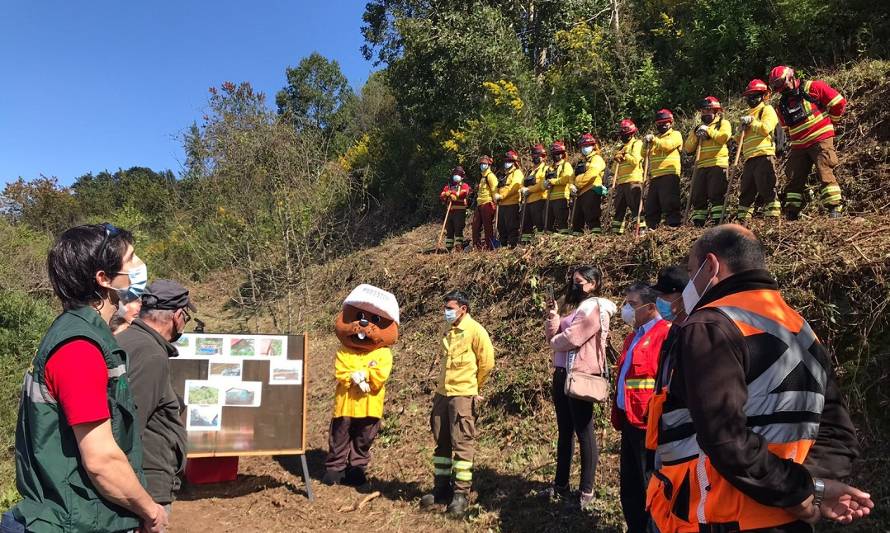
(100, 84)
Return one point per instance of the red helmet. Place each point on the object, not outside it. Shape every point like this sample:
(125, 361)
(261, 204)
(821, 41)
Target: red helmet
(511, 156)
(588, 140)
(459, 171)
(710, 104)
(663, 115)
(486, 159)
(558, 147)
(627, 127)
(780, 76)
(539, 150)
(755, 86)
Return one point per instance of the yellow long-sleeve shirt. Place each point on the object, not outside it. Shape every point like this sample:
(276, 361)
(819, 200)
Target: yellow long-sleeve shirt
(565, 176)
(349, 400)
(714, 152)
(631, 169)
(592, 175)
(468, 359)
(513, 182)
(488, 186)
(759, 134)
(537, 192)
(665, 158)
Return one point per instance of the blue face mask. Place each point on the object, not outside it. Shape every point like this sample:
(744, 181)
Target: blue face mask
(450, 315)
(664, 309)
(138, 277)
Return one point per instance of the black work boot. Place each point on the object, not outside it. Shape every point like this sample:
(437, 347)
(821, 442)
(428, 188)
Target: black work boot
(355, 477)
(333, 477)
(458, 506)
(441, 494)
(792, 214)
(835, 212)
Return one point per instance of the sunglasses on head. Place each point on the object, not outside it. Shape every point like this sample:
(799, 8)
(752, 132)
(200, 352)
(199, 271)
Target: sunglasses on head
(111, 231)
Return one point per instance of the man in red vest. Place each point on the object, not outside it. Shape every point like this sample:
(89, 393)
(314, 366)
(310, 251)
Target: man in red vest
(636, 371)
(809, 110)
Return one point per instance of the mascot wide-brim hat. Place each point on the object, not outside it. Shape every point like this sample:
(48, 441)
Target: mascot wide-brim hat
(375, 300)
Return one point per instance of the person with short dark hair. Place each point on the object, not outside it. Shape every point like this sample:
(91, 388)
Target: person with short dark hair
(636, 371)
(748, 425)
(467, 362)
(78, 459)
(578, 334)
(148, 341)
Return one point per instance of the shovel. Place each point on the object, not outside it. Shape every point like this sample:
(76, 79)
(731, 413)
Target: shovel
(643, 188)
(735, 164)
(444, 223)
(692, 182)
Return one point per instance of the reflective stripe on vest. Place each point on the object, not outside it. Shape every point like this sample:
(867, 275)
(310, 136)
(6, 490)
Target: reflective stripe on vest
(787, 419)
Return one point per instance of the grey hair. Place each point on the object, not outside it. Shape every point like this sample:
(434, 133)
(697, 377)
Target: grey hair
(156, 315)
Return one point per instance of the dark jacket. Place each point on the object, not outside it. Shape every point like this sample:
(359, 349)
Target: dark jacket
(158, 408)
(712, 355)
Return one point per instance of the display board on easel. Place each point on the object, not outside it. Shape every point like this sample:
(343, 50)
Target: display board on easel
(243, 394)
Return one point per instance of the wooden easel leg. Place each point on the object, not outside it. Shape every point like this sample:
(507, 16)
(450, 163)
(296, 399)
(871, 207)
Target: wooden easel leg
(306, 479)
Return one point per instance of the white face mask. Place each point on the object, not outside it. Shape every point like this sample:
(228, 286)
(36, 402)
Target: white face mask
(587, 150)
(690, 293)
(456, 178)
(450, 315)
(629, 315)
(483, 167)
(508, 165)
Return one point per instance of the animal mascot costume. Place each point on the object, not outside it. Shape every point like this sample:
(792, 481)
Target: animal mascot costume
(366, 327)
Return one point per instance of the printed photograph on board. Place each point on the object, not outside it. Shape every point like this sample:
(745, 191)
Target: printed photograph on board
(224, 370)
(201, 392)
(243, 394)
(209, 346)
(242, 346)
(272, 346)
(204, 418)
(185, 345)
(285, 372)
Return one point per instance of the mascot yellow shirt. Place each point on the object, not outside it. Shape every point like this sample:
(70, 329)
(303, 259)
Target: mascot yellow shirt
(349, 400)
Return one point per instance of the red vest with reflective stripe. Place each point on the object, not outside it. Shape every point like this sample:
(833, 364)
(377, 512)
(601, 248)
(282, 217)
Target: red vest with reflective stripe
(785, 400)
(639, 383)
(813, 123)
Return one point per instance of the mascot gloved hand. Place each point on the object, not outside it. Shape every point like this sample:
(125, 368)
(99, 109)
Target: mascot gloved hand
(366, 327)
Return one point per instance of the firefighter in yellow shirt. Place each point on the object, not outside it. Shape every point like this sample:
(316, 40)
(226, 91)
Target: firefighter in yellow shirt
(483, 216)
(663, 197)
(559, 184)
(535, 195)
(507, 199)
(467, 361)
(709, 178)
(759, 153)
(589, 185)
(628, 182)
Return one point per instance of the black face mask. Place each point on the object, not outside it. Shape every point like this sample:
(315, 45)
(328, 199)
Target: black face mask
(754, 99)
(625, 136)
(536, 159)
(707, 119)
(663, 128)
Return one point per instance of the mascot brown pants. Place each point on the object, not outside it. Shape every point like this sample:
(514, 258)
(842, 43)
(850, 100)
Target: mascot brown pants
(453, 422)
(350, 442)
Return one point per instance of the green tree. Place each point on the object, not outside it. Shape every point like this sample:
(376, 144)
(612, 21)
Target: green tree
(315, 93)
(40, 203)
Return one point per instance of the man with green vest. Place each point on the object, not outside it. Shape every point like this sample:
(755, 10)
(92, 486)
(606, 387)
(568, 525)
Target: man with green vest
(78, 452)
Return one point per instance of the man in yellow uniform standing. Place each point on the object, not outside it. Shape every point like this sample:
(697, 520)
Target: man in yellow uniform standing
(628, 181)
(663, 198)
(709, 178)
(483, 216)
(759, 151)
(534, 194)
(589, 183)
(507, 199)
(559, 183)
(467, 362)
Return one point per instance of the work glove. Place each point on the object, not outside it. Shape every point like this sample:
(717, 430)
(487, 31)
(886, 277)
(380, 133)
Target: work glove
(523, 191)
(746, 120)
(573, 190)
(365, 387)
(702, 132)
(497, 198)
(551, 174)
(619, 156)
(649, 138)
(359, 377)
(601, 190)
(548, 184)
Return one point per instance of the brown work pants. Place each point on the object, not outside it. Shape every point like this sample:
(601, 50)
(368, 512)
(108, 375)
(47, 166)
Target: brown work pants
(588, 211)
(349, 442)
(663, 200)
(453, 422)
(758, 179)
(454, 228)
(800, 162)
(709, 185)
(534, 219)
(627, 198)
(483, 217)
(508, 224)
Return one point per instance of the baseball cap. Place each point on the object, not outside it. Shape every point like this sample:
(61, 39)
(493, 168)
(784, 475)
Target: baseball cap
(166, 294)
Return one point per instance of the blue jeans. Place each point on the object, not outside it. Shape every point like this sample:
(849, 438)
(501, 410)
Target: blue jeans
(9, 524)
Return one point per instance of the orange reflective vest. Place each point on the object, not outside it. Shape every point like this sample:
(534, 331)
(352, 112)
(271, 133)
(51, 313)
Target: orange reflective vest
(686, 492)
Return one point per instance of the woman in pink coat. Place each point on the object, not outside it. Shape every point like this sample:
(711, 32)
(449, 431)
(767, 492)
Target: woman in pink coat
(577, 331)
